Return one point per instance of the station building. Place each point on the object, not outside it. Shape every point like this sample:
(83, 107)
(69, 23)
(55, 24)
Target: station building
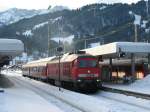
(122, 60)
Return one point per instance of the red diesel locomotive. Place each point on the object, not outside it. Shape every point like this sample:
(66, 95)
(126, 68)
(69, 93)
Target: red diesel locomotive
(79, 70)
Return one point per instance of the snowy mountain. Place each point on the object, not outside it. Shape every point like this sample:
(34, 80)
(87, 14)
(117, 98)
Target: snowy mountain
(104, 23)
(58, 8)
(13, 15)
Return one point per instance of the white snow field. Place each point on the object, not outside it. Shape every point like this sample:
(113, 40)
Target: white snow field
(20, 99)
(139, 86)
(98, 102)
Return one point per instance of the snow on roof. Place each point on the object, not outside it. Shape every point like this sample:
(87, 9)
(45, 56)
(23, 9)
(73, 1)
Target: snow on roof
(11, 47)
(116, 47)
(40, 62)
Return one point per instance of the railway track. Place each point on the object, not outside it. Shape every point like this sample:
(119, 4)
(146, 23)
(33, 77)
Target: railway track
(123, 101)
(78, 108)
(128, 93)
(48, 96)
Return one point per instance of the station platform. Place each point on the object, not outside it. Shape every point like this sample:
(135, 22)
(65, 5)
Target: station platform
(140, 86)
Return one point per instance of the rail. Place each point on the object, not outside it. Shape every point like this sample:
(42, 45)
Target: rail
(126, 92)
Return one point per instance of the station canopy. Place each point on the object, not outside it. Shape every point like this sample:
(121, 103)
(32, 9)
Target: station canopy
(112, 50)
(9, 48)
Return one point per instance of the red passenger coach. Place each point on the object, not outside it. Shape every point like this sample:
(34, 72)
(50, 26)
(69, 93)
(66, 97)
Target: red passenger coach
(79, 70)
(36, 69)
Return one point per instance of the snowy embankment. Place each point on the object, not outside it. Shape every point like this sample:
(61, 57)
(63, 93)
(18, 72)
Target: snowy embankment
(139, 86)
(19, 99)
(12, 72)
(23, 100)
(101, 102)
(80, 101)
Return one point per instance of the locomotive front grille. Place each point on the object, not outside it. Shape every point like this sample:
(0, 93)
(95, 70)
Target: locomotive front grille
(87, 75)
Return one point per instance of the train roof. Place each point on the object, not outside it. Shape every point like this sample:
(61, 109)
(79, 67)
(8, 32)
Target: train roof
(40, 62)
(68, 57)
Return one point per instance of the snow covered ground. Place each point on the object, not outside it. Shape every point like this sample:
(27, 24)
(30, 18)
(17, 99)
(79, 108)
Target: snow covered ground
(26, 88)
(19, 99)
(141, 86)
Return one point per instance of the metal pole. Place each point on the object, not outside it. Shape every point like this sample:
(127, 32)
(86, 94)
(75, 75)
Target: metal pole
(85, 44)
(148, 61)
(48, 39)
(59, 73)
(135, 30)
(147, 9)
(110, 67)
(133, 66)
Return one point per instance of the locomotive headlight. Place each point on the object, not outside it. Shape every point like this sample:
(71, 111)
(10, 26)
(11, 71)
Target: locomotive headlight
(98, 80)
(79, 80)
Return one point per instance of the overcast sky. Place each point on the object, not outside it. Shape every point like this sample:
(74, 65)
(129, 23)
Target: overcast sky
(43, 4)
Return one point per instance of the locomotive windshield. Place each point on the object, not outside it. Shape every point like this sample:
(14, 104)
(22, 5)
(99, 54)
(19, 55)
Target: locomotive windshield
(87, 63)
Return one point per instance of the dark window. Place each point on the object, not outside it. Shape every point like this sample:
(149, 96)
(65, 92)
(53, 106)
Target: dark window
(87, 63)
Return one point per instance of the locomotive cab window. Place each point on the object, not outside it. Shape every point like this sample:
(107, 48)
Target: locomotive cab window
(87, 63)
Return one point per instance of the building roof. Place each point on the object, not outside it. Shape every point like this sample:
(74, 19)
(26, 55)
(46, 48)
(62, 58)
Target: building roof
(11, 47)
(112, 49)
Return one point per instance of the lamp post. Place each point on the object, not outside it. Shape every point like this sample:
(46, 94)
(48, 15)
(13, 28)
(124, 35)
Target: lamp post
(59, 50)
(48, 40)
(48, 34)
(147, 8)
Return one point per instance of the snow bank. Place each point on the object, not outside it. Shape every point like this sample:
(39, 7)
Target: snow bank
(82, 101)
(143, 82)
(12, 72)
(22, 100)
(139, 86)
